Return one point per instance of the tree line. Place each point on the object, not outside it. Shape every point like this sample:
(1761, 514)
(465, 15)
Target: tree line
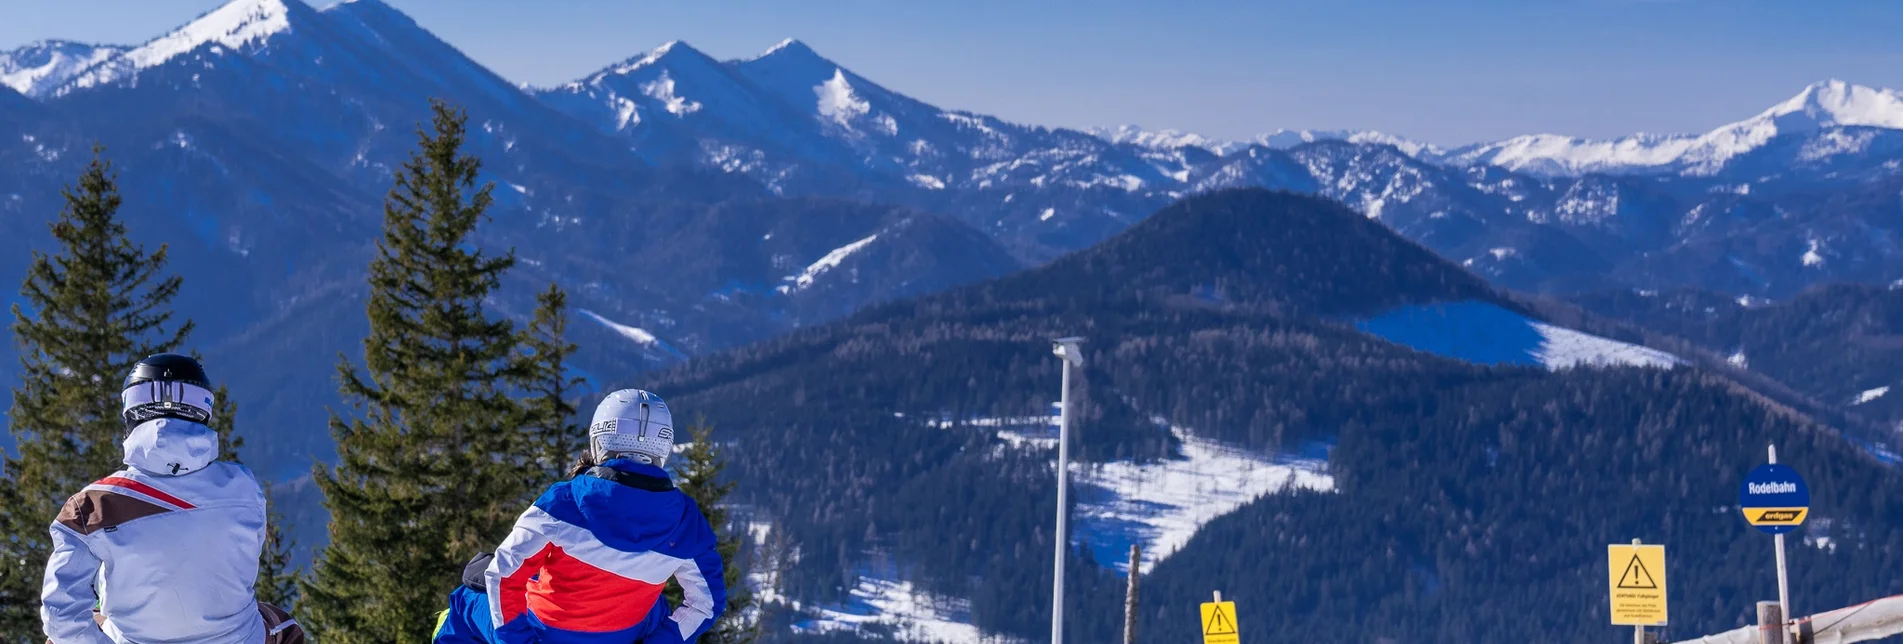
(456, 417)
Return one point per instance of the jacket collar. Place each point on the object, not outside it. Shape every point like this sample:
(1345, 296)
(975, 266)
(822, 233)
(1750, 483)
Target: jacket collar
(170, 447)
(632, 474)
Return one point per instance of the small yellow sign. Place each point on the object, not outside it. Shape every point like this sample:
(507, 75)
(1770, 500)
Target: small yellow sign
(1636, 584)
(1219, 623)
(1775, 516)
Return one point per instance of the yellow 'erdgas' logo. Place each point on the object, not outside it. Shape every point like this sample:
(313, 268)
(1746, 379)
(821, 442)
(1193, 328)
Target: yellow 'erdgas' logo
(1775, 516)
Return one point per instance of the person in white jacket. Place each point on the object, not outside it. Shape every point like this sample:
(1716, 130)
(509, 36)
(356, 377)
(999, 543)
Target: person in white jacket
(165, 550)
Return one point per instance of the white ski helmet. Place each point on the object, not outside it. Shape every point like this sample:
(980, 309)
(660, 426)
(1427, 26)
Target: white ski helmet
(633, 423)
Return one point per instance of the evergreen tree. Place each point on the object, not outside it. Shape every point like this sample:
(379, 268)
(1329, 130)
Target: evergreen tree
(89, 312)
(697, 469)
(432, 469)
(277, 580)
(551, 425)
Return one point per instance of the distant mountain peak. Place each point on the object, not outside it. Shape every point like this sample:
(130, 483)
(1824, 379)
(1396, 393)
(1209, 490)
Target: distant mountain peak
(1824, 104)
(789, 47)
(670, 52)
(1835, 102)
(377, 7)
(237, 26)
(39, 67)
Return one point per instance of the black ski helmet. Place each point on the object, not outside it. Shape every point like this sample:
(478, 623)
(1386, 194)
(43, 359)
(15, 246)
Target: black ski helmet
(166, 385)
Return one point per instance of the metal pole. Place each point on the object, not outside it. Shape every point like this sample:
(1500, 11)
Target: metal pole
(1638, 632)
(1783, 577)
(1063, 477)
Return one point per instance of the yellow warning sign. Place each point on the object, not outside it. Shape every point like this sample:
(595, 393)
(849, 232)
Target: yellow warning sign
(1219, 623)
(1636, 583)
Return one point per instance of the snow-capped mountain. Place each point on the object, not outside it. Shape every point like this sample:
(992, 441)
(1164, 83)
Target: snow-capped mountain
(798, 121)
(1827, 105)
(1278, 139)
(267, 129)
(259, 139)
(38, 68)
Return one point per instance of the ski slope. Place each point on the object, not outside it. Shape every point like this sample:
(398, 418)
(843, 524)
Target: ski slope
(1161, 505)
(900, 610)
(1484, 333)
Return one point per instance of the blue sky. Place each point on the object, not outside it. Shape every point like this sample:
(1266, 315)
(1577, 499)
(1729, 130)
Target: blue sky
(1445, 71)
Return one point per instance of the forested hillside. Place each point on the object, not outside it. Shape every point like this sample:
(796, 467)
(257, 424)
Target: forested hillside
(1840, 345)
(1456, 485)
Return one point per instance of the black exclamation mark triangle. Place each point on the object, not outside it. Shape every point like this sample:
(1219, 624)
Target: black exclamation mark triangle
(1219, 623)
(1637, 577)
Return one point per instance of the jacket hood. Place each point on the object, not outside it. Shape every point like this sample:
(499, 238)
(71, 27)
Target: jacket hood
(630, 517)
(170, 447)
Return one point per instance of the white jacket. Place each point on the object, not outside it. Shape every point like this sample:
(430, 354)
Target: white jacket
(168, 547)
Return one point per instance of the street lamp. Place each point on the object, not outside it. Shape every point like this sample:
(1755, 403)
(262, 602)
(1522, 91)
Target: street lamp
(1067, 349)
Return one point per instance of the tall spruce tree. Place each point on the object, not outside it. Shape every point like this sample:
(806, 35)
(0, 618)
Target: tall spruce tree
(277, 579)
(431, 470)
(88, 313)
(551, 390)
(697, 468)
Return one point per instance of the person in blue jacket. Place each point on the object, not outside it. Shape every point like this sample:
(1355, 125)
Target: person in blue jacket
(587, 563)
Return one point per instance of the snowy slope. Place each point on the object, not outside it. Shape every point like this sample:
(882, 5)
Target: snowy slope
(1161, 505)
(242, 25)
(1484, 333)
(827, 262)
(639, 336)
(1827, 104)
(37, 68)
(1158, 505)
(897, 608)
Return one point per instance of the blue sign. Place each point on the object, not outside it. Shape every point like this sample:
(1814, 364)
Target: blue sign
(1774, 498)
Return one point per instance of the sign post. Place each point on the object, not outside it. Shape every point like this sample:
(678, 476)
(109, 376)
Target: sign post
(1635, 582)
(1776, 500)
(1219, 622)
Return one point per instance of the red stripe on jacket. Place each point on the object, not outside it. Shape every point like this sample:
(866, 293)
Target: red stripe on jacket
(116, 481)
(571, 595)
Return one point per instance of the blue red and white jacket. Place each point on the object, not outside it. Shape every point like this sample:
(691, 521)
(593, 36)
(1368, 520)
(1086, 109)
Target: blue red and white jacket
(588, 561)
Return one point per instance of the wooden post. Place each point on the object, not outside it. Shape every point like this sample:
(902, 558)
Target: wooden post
(1638, 632)
(1770, 623)
(1130, 596)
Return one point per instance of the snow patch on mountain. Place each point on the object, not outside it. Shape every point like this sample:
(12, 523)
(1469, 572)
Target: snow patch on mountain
(38, 68)
(908, 613)
(826, 263)
(1811, 256)
(639, 335)
(837, 101)
(1160, 505)
(1485, 333)
(662, 89)
(235, 26)
(1870, 395)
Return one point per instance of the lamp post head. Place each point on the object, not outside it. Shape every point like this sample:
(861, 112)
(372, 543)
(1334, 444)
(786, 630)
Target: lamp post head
(1067, 349)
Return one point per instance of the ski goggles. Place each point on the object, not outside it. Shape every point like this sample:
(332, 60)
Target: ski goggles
(161, 399)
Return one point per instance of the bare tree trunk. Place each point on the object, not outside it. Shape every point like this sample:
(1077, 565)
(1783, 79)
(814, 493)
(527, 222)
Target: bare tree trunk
(1130, 596)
